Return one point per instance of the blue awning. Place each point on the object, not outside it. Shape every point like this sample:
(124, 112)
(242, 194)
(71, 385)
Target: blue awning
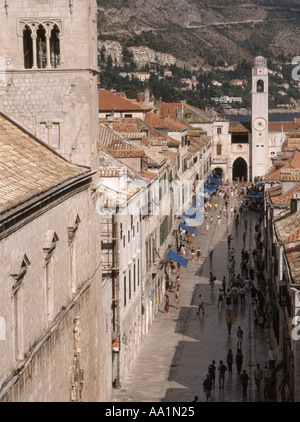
(208, 191)
(177, 258)
(191, 213)
(210, 186)
(188, 228)
(217, 176)
(196, 221)
(215, 181)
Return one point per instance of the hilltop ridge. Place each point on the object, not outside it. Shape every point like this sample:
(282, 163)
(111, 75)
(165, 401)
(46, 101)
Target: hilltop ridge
(201, 32)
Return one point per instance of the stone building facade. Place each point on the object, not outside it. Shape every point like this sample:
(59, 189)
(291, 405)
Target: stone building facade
(49, 74)
(55, 340)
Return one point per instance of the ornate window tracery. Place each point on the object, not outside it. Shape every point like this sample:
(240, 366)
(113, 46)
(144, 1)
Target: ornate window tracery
(41, 43)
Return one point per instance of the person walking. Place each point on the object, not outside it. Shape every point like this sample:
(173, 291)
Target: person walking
(228, 298)
(167, 304)
(229, 322)
(229, 239)
(224, 285)
(189, 240)
(212, 371)
(222, 369)
(212, 279)
(201, 307)
(245, 379)
(207, 228)
(177, 297)
(199, 253)
(211, 254)
(193, 252)
(239, 361)
(220, 298)
(207, 386)
(242, 295)
(258, 376)
(229, 361)
(239, 334)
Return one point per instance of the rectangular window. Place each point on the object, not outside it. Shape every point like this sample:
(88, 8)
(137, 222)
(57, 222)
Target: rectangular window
(124, 241)
(219, 130)
(128, 236)
(18, 327)
(50, 133)
(125, 286)
(129, 284)
(49, 292)
(138, 272)
(134, 277)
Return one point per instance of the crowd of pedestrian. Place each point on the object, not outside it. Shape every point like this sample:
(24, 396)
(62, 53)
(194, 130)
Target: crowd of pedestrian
(241, 282)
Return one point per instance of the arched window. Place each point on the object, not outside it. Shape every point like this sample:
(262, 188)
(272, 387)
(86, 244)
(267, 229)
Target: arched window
(55, 47)
(27, 47)
(260, 86)
(41, 47)
(219, 148)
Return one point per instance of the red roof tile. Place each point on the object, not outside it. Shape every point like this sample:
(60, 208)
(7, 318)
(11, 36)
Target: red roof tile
(171, 110)
(109, 100)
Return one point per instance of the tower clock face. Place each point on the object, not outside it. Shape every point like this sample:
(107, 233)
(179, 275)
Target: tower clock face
(259, 124)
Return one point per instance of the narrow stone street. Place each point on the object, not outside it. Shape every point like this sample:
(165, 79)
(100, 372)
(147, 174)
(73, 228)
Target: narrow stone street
(172, 362)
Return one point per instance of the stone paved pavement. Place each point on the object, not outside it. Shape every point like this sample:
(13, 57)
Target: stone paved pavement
(172, 360)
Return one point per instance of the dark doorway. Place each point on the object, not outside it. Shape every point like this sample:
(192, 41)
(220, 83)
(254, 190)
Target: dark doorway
(239, 170)
(219, 172)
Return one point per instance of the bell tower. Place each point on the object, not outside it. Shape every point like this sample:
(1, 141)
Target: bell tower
(259, 118)
(49, 73)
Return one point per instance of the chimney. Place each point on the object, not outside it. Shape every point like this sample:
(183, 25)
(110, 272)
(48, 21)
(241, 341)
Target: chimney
(147, 96)
(110, 120)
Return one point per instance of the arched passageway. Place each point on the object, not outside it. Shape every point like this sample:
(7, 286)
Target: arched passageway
(219, 172)
(239, 170)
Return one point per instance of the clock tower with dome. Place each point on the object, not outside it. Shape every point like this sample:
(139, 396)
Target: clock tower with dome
(259, 118)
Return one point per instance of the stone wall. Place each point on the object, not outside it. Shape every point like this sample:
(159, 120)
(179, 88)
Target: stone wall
(59, 104)
(51, 359)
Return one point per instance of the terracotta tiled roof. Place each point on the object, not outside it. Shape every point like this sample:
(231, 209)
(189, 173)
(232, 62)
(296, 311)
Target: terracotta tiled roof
(163, 123)
(197, 143)
(293, 257)
(109, 100)
(171, 110)
(285, 199)
(289, 172)
(239, 127)
(288, 227)
(294, 236)
(116, 145)
(284, 126)
(275, 191)
(136, 128)
(154, 157)
(28, 167)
